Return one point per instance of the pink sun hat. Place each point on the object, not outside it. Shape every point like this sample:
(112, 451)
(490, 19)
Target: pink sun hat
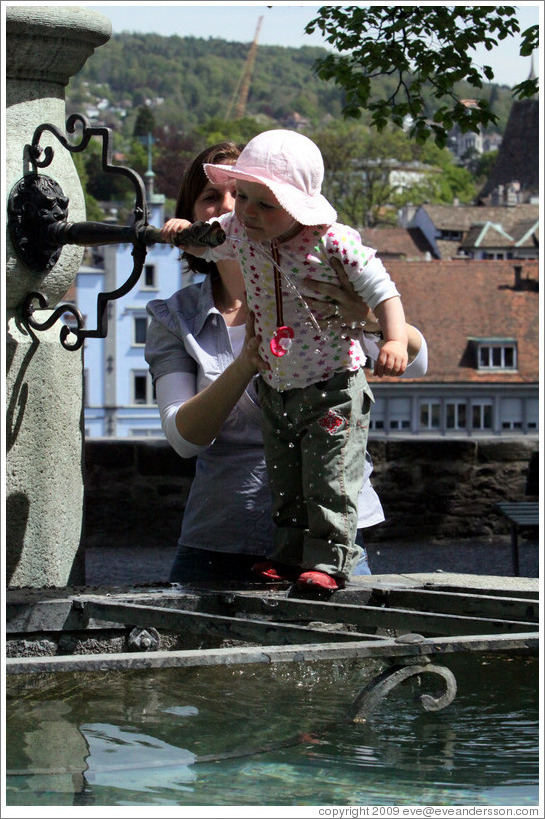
(291, 166)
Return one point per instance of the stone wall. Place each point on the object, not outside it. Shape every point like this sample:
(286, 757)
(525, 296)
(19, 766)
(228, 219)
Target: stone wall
(135, 489)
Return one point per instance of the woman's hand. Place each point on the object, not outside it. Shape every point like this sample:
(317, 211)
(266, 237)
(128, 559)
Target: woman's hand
(249, 359)
(339, 303)
(200, 419)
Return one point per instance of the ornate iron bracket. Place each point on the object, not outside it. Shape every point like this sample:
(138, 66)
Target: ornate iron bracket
(374, 692)
(39, 228)
(369, 698)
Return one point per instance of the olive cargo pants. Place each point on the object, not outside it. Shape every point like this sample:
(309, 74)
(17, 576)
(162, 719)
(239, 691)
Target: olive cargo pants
(315, 440)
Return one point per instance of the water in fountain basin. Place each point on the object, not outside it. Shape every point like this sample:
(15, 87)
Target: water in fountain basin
(272, 735)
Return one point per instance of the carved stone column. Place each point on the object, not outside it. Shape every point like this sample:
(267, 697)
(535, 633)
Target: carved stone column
(45, 46)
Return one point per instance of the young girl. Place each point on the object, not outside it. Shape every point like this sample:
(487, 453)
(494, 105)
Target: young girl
(313, 391)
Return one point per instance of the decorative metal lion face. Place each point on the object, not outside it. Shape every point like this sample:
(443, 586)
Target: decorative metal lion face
(36, 203)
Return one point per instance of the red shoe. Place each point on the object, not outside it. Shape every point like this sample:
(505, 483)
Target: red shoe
(268, 571)
(320, 580)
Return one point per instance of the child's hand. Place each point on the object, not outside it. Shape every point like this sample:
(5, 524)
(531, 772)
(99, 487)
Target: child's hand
(172, 227)
(193, 237)
(392, 360)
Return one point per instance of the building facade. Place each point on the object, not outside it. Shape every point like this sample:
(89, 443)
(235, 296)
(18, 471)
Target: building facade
(481, 323)
(480, 319)
(119, 397)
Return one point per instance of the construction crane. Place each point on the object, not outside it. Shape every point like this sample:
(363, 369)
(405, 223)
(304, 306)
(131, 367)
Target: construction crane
(240, 94)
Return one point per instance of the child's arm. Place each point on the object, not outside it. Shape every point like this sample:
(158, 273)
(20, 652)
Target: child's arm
(415, 338)
(393, 356)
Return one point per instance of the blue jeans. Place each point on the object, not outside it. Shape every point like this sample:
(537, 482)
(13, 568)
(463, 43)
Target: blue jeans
(362, 566)
(200, 565)
(203, 566)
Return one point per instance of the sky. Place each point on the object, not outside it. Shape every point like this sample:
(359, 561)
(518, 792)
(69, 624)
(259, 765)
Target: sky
(283, 24)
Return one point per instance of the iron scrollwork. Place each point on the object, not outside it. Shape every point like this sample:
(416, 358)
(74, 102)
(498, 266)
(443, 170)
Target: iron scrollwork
(373, 693)
(410, 666)
(39, 228)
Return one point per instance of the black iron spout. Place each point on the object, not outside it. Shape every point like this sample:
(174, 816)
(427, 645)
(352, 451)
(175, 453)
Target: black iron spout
(91, 234)
(39, 228)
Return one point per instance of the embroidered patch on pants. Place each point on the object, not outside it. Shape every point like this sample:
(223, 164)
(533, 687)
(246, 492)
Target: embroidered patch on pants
(332, 422)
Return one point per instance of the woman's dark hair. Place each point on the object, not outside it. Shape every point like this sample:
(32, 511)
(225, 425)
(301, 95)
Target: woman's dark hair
(193, 183)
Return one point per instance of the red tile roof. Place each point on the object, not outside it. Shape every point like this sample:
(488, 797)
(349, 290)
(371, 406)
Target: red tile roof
(452, 301)
(398, 243)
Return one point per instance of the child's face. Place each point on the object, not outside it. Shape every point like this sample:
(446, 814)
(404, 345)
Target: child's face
(261, 213)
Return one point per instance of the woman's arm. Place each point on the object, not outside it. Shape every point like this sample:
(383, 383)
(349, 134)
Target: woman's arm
(343, 304)
(200, 418)
(342, 301)
(172, 390)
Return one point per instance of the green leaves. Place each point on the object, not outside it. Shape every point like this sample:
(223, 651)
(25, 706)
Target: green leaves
(422, 47)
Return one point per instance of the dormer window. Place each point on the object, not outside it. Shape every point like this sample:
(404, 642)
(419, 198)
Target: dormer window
(496, 353)
(451, 235)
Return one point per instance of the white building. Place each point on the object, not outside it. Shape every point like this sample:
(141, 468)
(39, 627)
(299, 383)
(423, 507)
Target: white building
(119, 399)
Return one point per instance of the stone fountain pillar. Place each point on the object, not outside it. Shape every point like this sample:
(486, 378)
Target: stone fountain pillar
(45, 46)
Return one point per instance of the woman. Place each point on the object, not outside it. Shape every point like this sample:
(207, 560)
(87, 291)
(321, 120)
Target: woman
(202, 354)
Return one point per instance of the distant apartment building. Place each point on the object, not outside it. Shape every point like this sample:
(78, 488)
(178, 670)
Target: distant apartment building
(478, 232)
(481, 323)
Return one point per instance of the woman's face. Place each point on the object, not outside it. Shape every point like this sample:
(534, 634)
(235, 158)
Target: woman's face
(214, 200)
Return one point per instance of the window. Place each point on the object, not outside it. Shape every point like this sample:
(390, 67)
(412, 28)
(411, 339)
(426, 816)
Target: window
(532, 414)
(456, 415)
(497, 356)
(430, 415)
(511, 413)
(143, 390)
(377, 414)
(497, 254)
(481, 415)
(140, 330)
(399, 413)
(149, 278)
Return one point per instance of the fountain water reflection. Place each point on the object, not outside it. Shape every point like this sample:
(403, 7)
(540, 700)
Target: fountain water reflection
(276, 735)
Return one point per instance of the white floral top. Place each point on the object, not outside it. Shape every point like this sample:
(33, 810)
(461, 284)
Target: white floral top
(314, 354)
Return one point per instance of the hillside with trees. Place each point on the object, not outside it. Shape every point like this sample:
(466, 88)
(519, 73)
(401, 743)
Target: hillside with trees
(182, 89)
(191, 80)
